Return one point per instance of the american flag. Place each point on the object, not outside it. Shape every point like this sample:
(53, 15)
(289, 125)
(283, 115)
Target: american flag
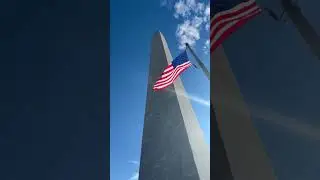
(227, 16)
(171, 72)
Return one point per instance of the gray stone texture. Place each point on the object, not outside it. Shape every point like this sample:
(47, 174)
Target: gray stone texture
(173, 145)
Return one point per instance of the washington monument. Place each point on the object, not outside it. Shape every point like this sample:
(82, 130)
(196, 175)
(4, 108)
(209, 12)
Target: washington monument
(173, 145)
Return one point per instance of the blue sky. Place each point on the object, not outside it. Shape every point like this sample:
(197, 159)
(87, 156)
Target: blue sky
(132, 27)
(275, 69)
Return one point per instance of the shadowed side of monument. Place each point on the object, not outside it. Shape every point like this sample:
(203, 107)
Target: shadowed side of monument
(173, 145)
(247, 158)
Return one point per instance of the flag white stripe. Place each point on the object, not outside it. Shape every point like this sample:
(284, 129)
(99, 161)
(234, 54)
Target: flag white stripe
(229, 25)
(170, 74)
(236, 8)
(165, 74)
(169, 83)
(222, 30)
(173, 77)
(245, 13)
(168, 69)
(173, 74)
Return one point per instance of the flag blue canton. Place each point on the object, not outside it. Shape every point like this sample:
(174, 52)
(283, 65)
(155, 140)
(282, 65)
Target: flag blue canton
(182, 58)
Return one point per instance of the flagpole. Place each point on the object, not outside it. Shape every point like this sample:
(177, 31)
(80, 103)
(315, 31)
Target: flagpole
(305, 29)
(301, 23)
(203, 67)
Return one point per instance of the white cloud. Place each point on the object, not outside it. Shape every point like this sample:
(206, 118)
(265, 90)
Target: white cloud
(206, 17)
(194, 16)
(134, 176)
(197, 21)
(206, 47)
(207, 26)
(207, 11)
(187, 32)
(181, 9)
(199, 8)
(199, 100)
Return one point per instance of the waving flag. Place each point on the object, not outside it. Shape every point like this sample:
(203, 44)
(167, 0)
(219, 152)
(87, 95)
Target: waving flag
(171, 72)
(227, 16)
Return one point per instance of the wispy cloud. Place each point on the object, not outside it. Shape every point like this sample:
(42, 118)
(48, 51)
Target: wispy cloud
(294, 125)
(166, 3)
(206, 47)
(135, 175)
(191, 97)
(187, 32)
(206, 17)
(194, 16)
(133, 162)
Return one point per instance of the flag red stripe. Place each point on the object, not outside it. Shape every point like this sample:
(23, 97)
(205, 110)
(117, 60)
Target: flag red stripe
(230, 30)
(171, 72)
(167, 72)
(220, 25)
(224, 23)
(233, 12)
(170, 79)
(215, 33)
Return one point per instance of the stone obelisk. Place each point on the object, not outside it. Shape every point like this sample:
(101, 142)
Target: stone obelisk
(243, 156)
(173, 145)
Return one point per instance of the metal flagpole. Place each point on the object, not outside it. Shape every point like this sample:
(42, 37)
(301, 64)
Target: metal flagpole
(202, 66)
(304, 27)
